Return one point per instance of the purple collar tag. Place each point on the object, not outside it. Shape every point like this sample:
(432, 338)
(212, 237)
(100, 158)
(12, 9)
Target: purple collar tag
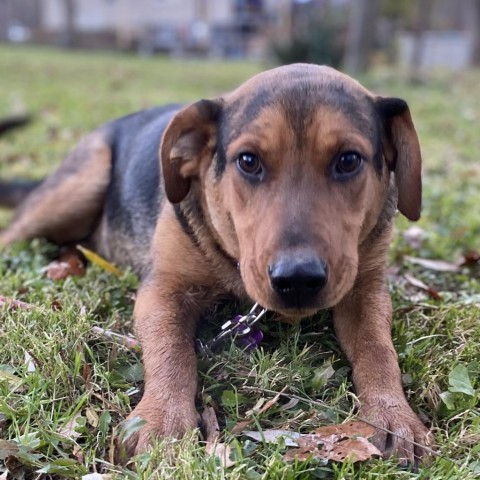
(244, 329)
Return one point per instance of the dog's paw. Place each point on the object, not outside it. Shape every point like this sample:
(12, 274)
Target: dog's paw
(401, 434)
(159, 421)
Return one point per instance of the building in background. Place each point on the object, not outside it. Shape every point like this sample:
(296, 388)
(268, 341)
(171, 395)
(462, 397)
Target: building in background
(235, 28)
(249, 28)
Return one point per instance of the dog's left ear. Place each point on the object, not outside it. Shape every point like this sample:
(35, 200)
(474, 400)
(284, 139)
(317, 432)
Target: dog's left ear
(402, 154)
(188, 143)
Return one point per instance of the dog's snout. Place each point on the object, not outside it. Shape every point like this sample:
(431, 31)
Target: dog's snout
(298, 280)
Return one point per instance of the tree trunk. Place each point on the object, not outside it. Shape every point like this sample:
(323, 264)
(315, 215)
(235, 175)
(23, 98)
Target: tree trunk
(422, 24)
(361, 36)
(68, 35)
(474, 27)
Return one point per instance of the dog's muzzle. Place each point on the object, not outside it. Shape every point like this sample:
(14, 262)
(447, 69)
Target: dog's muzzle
(298, 278)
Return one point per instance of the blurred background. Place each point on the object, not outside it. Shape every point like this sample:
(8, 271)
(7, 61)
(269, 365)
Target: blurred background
(353, 34)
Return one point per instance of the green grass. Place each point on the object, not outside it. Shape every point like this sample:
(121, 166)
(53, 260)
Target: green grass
(79, 375)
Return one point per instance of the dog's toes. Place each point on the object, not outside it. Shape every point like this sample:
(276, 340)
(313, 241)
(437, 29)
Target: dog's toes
(160, 421)
(401, 434)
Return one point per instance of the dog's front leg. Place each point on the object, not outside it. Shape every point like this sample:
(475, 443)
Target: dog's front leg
(165, 318)
(363, 326)
(171, 299)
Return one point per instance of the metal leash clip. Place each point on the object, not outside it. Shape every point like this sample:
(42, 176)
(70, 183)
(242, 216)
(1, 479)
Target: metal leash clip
(240, 327)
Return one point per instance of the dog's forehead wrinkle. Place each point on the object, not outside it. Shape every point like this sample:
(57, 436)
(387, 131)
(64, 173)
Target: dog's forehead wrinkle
(297, 106)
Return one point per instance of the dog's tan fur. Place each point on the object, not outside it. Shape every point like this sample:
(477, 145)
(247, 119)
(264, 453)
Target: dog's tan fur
(215, 218)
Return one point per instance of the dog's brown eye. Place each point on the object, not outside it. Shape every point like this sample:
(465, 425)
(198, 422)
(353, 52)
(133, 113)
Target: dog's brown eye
(347, 164)
(249, 163)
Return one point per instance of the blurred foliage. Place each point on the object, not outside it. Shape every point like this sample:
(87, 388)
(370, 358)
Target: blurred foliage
(395, 10)
(322, 43)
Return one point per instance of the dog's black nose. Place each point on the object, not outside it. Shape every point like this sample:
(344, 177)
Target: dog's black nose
(298, 280)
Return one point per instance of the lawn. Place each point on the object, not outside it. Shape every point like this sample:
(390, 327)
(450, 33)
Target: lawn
(64, 387)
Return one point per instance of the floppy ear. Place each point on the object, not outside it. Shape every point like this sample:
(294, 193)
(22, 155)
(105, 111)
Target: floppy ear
(189, 141)
(402, 153)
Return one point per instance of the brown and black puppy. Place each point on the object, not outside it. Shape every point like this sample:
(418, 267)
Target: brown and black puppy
(288, 177)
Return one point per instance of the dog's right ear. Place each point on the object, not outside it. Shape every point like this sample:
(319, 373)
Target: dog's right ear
(188, 144)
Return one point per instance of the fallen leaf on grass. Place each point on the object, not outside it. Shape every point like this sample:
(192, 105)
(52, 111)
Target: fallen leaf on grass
(471, 258)
(14, 304)
(16, 458)
(346, 441)
(56, 305)
(87, 376)
(8, 449)
(69, 429)
(436, 265)
(422, 286)
(92, 417)
(98, 260)
(68, 265)
(213, 447)
(77, 452)
(352, 449)
(348, 429)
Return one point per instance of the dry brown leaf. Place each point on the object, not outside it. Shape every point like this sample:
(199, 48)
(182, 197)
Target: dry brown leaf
(351, 449)
(77, 452)
(87, 376)
(68, 430)
(15, 468)
(212, 429)
(241, 426)
(301, 454)
(69, 264)
(330, 442)
(355, 449)
(8, 449)
(92, 417)
(471, 258)
(348, 429)
(437, 265)
(416, 282)
(213, 447)
(14, 304)
(56, 305)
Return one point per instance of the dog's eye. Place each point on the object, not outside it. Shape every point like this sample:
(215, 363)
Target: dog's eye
(348, 164)
(249, 163)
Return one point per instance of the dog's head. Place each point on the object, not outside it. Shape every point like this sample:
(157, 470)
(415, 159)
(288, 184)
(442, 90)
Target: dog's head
(294, 173)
